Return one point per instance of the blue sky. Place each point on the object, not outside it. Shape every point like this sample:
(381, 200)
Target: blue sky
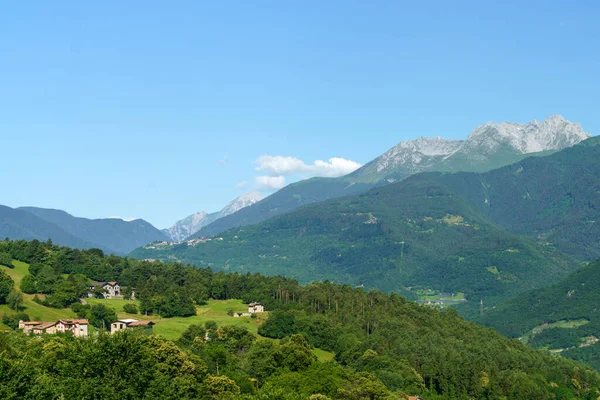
(158, 110)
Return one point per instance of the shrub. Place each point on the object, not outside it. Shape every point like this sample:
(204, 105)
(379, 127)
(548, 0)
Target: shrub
(130, 308)
(6, 260)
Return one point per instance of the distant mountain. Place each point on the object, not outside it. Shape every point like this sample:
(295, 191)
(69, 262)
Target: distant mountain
(564, 317)
(188, 226)
(19, 224)
(489, 146)
(115, 235)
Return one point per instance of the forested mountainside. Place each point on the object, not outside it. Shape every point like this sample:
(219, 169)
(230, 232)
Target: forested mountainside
(564, 316)
(415, 233)
(385, 346)
(485, 234)
(489, 146)
(115, 234)
(553, 199)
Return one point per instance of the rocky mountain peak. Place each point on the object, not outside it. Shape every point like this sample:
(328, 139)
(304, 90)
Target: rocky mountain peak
(193, 223)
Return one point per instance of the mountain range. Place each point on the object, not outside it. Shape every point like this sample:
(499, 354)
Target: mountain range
(489, 146)
(489, 235)
(186, 227)
(112, 235)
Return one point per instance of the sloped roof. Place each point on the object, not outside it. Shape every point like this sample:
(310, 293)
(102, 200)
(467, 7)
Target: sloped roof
(141, 323)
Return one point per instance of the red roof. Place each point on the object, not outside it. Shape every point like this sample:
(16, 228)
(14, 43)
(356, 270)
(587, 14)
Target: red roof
(112, 283)
(140, 323)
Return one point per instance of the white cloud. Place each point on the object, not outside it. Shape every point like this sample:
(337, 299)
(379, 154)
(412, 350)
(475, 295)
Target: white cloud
(280, 165)
(268, 183)
(242, 184)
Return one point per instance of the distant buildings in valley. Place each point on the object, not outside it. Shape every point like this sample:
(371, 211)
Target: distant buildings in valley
(124, 324)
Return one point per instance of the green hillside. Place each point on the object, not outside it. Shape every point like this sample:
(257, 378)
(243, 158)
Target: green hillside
(415, 233)
(384, 347)
(563, 317)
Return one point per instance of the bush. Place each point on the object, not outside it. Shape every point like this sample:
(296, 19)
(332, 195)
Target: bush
(130, 308)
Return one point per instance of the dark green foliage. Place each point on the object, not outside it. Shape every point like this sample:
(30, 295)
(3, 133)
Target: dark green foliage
(130, 308)
(6, 286)
(6, 260)
(12, 320)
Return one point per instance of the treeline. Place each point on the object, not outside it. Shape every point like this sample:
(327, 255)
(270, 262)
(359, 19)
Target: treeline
(383, 344)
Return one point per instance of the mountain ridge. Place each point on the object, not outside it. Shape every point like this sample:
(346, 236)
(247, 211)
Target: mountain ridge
(112, 234)
(501, 142)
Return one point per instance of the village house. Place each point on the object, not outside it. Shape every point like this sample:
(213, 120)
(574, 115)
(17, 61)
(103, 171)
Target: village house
(241, 314)
(78, 327)
(123, 324)
(110, 290)
(255, 307)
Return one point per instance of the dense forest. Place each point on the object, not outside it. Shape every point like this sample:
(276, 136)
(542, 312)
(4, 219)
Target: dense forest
(384, 345)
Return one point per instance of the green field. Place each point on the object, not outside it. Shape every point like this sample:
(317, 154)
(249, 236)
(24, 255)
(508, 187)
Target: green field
(570, 324)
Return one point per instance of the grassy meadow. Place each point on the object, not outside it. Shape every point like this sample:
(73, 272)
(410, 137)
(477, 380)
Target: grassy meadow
(170, 328)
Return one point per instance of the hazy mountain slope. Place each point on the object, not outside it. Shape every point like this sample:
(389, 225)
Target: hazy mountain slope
(19, 224)
(489, 146)
(284, 200)
(413, 233)
(111, 233)
(188, 226)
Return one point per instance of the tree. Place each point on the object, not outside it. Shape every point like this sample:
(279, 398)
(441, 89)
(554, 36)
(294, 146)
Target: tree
(101, 316)
(28, 284)
(12, 321)
(221, 387)
(15, 300)
(6, 286)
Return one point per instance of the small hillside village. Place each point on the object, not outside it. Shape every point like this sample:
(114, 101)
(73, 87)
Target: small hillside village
(106, 290)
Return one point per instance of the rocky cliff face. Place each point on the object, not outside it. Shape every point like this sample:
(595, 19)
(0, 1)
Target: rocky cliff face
(489, 146)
